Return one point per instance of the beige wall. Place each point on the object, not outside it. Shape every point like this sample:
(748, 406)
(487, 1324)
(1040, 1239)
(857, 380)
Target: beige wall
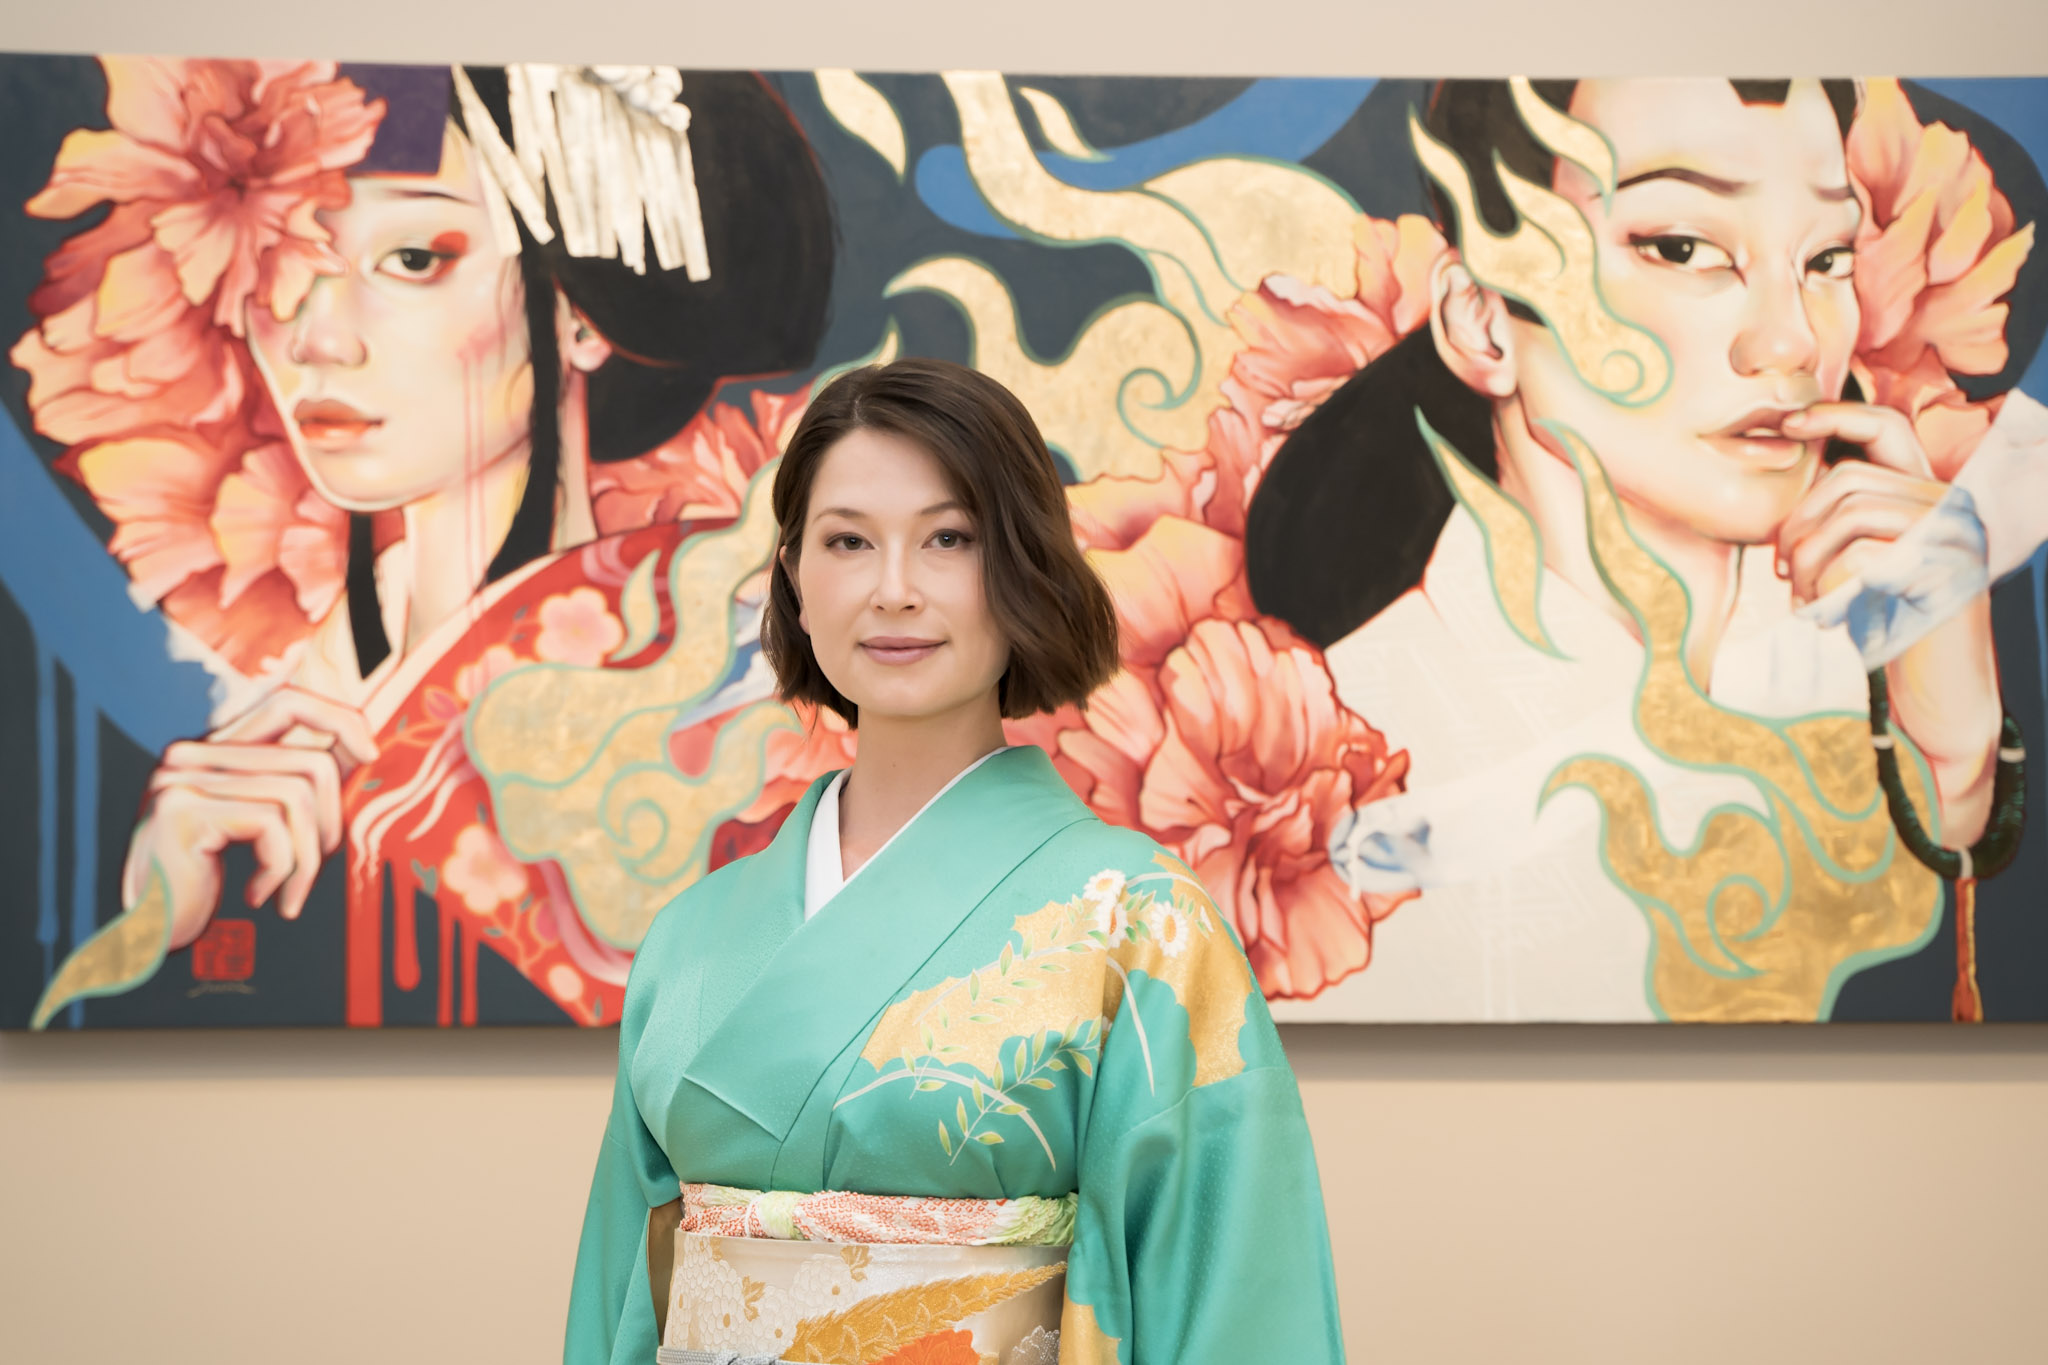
(1542, 1196)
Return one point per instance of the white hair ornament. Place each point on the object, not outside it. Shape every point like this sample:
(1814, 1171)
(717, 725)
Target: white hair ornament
(612, 144)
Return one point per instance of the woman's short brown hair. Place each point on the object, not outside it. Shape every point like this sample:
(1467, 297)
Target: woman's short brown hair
(1045, 598)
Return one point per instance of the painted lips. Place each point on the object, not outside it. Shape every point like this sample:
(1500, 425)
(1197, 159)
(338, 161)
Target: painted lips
(332, 424)
(899, 649)
(1758, 438)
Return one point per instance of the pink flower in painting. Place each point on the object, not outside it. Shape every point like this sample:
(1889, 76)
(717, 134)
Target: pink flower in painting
(480, 871)
(231, 160)
(702, 473)
(1223, 739)
(1937, 251)
(267, 519)
(493, 664)
(212, 175)
(577, 627)
(1302, 344)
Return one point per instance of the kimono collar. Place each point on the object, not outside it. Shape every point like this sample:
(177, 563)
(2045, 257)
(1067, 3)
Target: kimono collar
(832, 976)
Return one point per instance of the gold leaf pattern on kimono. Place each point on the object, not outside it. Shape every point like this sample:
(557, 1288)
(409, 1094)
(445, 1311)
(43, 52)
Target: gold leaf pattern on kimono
(876, 1326)
(1082, 1340)
(1048, 999)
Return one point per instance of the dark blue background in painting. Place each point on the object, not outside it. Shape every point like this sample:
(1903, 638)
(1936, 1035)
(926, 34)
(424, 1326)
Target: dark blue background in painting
(88, 692)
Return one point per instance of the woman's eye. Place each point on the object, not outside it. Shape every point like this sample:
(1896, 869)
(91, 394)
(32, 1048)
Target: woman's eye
(1836, 263)
(1687, 253)
(951, 540)
(845, 540)
(416, 263)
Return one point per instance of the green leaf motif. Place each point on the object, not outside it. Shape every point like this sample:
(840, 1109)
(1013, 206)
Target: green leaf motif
(945, 1139)
(929, 1085)
(989, 1139)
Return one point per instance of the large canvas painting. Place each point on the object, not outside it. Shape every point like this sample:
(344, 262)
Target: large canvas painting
(1578, 544)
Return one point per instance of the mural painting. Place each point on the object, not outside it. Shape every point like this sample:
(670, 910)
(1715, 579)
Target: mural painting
(1578, 544)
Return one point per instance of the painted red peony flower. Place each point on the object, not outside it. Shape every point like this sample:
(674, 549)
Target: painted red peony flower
(1937, 252)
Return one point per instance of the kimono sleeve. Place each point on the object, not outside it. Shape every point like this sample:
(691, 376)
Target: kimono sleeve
(1201, 1237)
(611, 1309)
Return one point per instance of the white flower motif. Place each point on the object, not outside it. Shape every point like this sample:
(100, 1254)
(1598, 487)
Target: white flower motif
(1170, 927)
(1103, 899)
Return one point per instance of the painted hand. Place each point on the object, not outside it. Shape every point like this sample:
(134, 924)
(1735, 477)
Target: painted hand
(271, 779)
(1899, 556)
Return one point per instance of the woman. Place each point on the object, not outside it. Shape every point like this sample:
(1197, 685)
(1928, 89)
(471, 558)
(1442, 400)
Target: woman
(1672, 541)
(419, 344)
(948, 1022)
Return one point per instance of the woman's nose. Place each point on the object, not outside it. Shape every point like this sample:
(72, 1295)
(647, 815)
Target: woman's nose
(1777, 336)
(324, 333)
(896, 588)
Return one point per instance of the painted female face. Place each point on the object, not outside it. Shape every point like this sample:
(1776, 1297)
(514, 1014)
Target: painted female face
(889, 575)
(1729, 238)
(410, 373)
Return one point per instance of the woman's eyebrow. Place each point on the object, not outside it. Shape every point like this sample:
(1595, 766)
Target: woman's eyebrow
(1712, 183)
(426, 192)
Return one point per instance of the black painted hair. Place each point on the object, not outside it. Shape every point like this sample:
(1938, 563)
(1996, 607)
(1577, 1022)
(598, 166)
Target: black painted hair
(769, 233)
(1356, 473)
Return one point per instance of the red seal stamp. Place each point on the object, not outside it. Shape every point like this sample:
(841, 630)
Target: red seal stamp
(226, 951)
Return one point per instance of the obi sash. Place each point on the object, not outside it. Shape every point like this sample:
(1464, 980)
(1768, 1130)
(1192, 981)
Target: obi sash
(856, 1279)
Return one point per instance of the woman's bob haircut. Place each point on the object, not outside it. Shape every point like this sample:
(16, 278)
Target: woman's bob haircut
(1051, 607)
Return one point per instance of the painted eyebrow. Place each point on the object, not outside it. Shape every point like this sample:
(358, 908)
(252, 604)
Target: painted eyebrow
(1714, 184)
(428, 192)
(1711, 183)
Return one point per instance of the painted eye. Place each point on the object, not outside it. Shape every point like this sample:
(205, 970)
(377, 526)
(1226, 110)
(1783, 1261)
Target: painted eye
(423, 264)
(1836, 263)
(1686, 253)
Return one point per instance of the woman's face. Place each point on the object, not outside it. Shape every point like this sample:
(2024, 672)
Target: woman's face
(889, 574)
(1728, 237)
(410, 373)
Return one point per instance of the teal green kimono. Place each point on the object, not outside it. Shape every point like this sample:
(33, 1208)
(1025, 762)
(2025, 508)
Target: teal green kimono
(1012, 998)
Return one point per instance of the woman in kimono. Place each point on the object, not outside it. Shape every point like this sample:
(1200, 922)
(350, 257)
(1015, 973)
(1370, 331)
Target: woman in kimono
(374, 465)
(951, 1071)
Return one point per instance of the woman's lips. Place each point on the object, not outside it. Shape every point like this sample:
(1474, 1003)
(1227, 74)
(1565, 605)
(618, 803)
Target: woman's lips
(332, 424)
(1758, 439)
(899, 649)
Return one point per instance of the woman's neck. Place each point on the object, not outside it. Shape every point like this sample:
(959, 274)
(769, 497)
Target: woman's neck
(900, 765)
(1547, 485)
(452, 536)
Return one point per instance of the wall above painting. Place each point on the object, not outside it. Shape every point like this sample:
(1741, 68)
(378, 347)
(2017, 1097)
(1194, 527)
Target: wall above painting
(1513, 493)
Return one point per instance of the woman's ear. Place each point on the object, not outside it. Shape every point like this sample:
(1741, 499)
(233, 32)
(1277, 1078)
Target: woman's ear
(581, 346)
(1469, 323)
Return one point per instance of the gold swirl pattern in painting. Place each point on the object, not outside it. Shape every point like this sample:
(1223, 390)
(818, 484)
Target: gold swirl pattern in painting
(1550, 263)
(124, 953)
(577, 758)
(1579, 143)
(1514, 545)
(1072, 398)
(1762, 918)
(1208, 233)
(866, 113)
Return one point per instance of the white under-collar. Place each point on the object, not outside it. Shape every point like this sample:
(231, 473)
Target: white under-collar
(824, 869)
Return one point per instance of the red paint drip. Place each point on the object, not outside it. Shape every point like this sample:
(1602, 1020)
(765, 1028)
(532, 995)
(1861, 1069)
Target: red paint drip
(444, 1013)
(405, 935)
(363, 983)
(468, 974)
